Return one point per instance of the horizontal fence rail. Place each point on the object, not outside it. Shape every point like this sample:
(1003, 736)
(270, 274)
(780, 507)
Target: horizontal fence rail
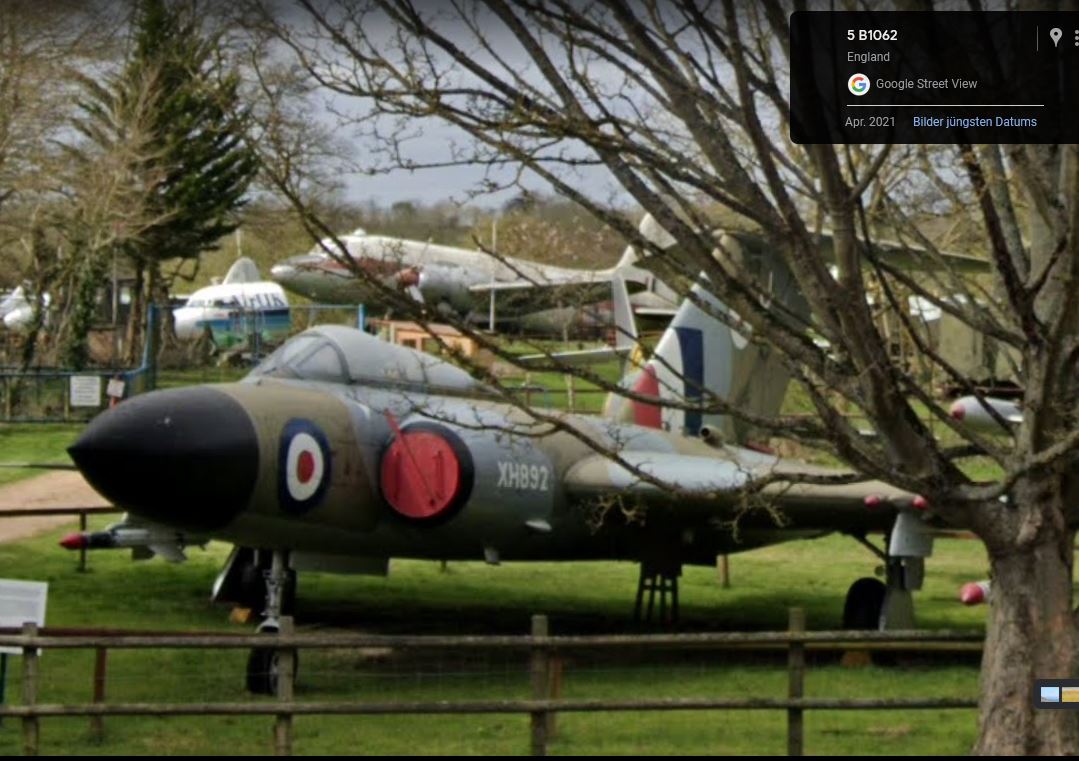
(82, 513)
(545, 667)
(11, 638)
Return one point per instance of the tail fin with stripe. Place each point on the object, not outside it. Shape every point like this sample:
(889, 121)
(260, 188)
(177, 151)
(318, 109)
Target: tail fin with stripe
(702, 354)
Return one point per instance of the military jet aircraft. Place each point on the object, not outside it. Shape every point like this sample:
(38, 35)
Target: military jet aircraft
(341, 451)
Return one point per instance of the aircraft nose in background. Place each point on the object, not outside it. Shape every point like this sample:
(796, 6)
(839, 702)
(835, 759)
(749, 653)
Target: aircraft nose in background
(282, 273)
(184, 457)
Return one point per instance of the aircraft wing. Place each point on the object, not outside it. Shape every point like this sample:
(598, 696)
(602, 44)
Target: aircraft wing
(625, 338)
(655, 311)
(580, 358)
(503, 285)
(709, 487)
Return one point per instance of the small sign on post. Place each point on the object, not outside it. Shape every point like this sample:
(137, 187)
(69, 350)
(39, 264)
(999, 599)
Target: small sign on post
(21, 602)
(85, 391)
(115, 388)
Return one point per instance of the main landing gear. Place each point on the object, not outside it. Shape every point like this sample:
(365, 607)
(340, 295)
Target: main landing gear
(889, 604)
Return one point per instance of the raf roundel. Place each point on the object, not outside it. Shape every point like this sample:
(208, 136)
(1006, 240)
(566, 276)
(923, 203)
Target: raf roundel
(303, 466)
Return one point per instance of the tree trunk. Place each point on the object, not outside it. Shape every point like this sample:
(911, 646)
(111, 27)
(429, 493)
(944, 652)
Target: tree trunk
(1031, 635)
(137, 317)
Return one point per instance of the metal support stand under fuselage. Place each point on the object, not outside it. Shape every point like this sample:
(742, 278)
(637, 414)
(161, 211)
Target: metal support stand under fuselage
(661, 578)
(902, 576)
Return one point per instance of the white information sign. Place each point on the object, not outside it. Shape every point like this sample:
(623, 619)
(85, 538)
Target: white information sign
(85, 390)
(115, 388)
(22, 601)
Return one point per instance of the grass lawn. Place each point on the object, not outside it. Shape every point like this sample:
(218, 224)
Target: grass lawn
(36, 443)
(420, 597)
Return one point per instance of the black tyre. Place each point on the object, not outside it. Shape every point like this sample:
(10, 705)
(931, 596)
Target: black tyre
(864, 605)
(263, 670)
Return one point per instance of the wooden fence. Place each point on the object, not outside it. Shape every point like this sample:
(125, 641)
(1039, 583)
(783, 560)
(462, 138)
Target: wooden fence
(81, 512)
(544, 665)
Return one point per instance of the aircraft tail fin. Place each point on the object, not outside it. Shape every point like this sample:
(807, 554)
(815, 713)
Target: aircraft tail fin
(243, 270)
(649, 228)
(625, 325)
(702, 353)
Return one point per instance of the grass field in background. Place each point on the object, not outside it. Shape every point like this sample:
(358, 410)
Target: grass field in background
(34, 443)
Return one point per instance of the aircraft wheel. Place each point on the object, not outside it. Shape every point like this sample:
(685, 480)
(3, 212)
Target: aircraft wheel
(865, 603)
(263, 670)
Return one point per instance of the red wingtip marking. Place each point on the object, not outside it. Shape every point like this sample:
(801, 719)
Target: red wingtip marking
(920, 503)
(873, 501)
(958, 411)
(972, 593)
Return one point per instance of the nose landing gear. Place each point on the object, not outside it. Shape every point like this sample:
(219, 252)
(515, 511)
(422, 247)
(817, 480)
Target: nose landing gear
(265, 664)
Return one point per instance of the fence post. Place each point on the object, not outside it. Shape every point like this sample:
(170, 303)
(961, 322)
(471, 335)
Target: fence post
(554, 691)
(30, 728)
(286, 671)
(540, 687)
(101, 665)
(82, 547)
(796, 663)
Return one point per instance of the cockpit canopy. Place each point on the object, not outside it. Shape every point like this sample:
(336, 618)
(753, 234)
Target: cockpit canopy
(340, 354)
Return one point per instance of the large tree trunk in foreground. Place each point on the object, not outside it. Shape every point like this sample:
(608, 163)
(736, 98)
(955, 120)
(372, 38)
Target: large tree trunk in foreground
(1031, 635)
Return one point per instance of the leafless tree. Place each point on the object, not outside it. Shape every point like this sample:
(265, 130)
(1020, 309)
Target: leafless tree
(684, 105)
(40, 44)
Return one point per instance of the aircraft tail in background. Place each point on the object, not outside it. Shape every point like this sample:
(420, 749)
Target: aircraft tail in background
(702, 353)
(243, 270)
(651, 231)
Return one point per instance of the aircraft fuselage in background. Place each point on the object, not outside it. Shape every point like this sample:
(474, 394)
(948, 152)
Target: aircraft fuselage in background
(242, 304)
(453, 279)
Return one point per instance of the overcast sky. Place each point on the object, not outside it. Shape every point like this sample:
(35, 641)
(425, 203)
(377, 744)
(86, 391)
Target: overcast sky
(434, 140)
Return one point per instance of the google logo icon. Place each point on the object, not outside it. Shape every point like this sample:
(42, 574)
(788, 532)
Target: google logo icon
(858, 84)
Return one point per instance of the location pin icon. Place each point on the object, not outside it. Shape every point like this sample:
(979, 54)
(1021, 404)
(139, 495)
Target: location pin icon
(1055, 34)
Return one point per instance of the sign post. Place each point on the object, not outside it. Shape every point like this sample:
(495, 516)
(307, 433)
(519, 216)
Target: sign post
(21, 602)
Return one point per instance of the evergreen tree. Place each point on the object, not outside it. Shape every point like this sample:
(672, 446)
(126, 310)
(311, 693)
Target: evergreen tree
(197, 125)
(192, 162)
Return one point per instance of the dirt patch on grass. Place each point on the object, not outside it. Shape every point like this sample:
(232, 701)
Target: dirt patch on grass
(65, 488)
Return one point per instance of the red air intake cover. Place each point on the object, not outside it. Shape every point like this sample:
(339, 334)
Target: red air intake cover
(422, 475)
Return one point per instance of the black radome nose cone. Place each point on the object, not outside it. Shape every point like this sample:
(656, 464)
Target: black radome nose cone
(185, 457)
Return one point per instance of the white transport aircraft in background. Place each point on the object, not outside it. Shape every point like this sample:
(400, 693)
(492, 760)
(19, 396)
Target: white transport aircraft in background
(243, 303)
